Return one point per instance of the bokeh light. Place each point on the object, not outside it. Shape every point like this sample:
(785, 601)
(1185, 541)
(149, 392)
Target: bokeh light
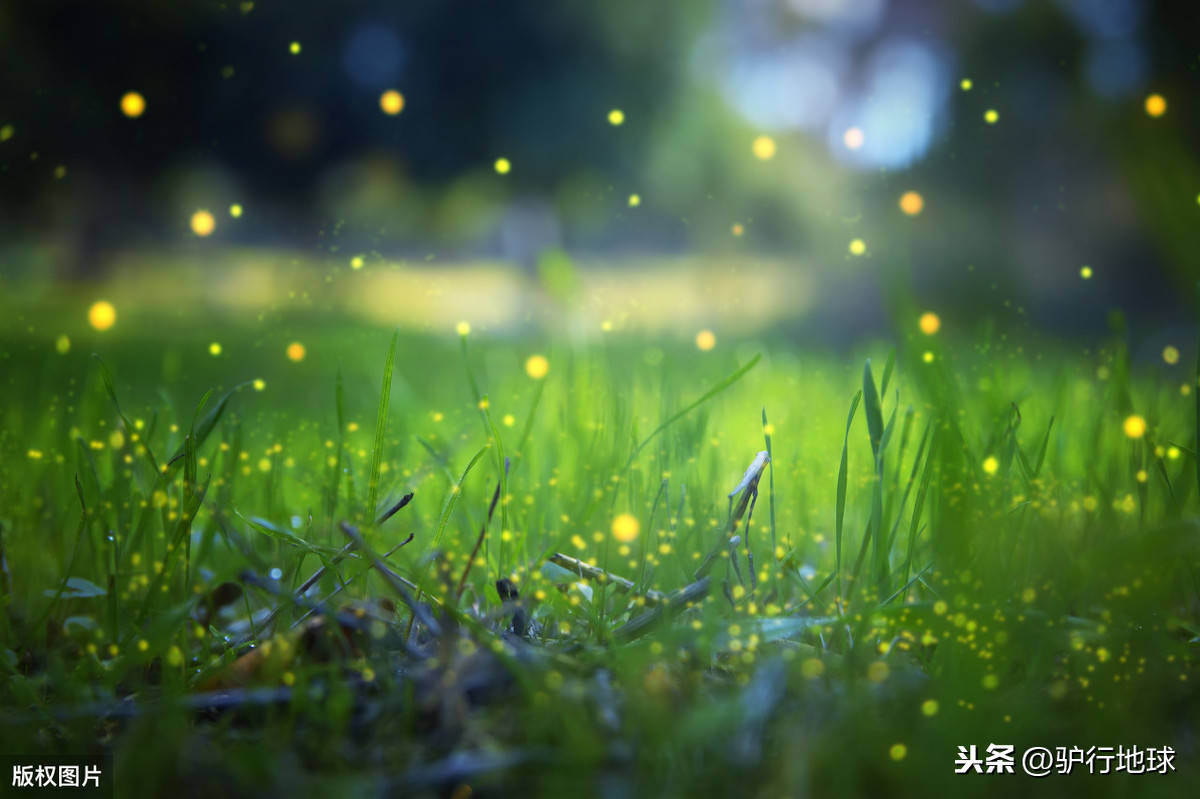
(1135, 426)
(857, 247)
(991, 116)
(62, 345)
(625, 528)
(616, 117)
(1156, 105)
(214, 349)
(763, 148)
(391, 102)
(235, 211)
(463, 328)
(929, 323)
(294, 48)
(1085, 272)
(203, 223)
(102, 315)
(911, 203)
(133, 105)
(296, 352)
(537, 366)
(1170, 354)
(634, 200)
(706, 340)
(502, 166)
(853, 138)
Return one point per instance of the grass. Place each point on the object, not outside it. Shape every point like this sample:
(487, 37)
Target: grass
(981, 555)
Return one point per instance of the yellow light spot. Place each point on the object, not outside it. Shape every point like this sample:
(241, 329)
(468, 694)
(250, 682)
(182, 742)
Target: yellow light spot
(812, 668)
(235, 211)
(853, 138)
(911, 203)
(296, 352)
(625, 528)
(294, 48)
(1142, 475)
(991, 116)
(259, 384)
(990, 681)
(929, 323)
(484, 404)
(175, 656)
(940, 607)
(502, 166)
(391, 102)
(705, 340)
(1135, 426)
(133, 105)
(857, 247)
(929, 707)
(763, 148)
(927, 357)
(1085, 272)
(990, 464)
(509, 420)
(214, 349)
(203, 223)
(60, 172)
(737, 229)
(7, 132)
(1028, 595)
(898, 751)
(34, 454)
(102, 315)
(616, 117)
(1171, 355)
(1156, 105)
(965, 84)
(356, 262)
(1173, 453)
(878, 671)
(143, 645)
(634, 201)
(264, 465)
(537, 367)
(463, 328)
(62, 345)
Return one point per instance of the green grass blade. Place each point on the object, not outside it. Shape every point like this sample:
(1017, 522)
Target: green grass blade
(385, 397)
(841, 494)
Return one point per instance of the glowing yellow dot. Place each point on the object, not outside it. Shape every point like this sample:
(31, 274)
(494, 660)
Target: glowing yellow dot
(990, 464)
(705, 340)
(965, 84)
(1135, 426)
(989, 682)
(102, 315)
(294, 48)
(1170, 355)
(853, 138)
(737, 229)
(929, 323)
(940, 607)
(763, 148)
(391, 102)
(509, 421)
(911, 203)
(502, 166)
(1085, 272)
(116, 440)
(1156, 105)
(356, 262)
(7, 132)
(259, 384)
(991, 116)
(34, 454)
(812, 668)
(1173, 452)
(929, 707)
(634, 201)
(133, 105)
(927, 357)
(858, 247)
(235, 210)
(203, 223)
(898, 751)
(214, 349)
(62, 345)
(536, 366)
(296, 352)
(625, 528)
(174, 656)
(463, 328)
(264, 465)
(616, 117)
(1142, 476)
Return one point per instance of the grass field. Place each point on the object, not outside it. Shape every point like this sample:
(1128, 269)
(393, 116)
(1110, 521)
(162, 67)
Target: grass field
(961, 538)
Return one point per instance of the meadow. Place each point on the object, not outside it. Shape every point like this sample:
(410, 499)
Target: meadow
(961, 537)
